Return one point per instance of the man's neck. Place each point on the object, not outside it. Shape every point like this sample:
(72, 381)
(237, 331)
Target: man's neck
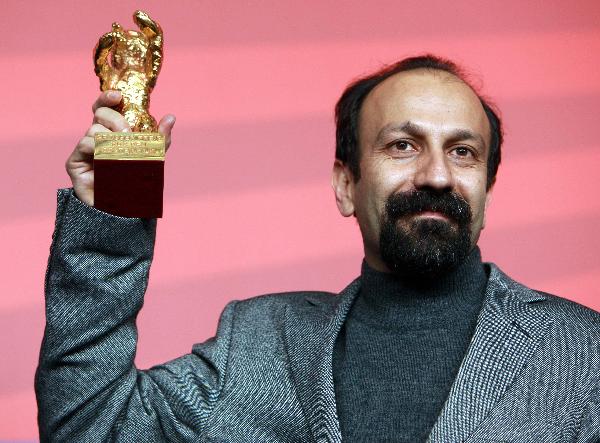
(465, 284)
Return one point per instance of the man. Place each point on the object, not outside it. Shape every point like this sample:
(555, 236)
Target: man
(428, 344)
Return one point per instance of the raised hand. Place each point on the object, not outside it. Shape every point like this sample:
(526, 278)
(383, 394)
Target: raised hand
(80, 164)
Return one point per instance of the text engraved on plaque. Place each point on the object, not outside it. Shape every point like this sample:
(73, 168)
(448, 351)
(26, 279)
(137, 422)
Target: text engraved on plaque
(129, 146)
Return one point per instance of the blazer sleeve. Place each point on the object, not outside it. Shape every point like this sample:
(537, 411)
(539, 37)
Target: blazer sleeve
(87, 386)
(590, 426)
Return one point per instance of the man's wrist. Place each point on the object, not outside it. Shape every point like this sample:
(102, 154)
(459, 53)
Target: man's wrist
(83, 225)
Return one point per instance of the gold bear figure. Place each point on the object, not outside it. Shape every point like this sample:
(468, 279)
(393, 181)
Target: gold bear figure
(129, 61)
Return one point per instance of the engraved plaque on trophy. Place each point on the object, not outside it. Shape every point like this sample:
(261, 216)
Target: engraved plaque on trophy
(129, 166)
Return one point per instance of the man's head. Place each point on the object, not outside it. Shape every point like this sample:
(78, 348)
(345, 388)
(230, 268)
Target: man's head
(416, 158)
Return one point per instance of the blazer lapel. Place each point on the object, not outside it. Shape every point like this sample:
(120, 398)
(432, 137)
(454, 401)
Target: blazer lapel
(310, 333)
(507, 334)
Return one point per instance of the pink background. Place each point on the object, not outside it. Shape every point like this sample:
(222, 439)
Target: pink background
(248, 207)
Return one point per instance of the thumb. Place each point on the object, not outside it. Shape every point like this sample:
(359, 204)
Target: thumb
(165, 126)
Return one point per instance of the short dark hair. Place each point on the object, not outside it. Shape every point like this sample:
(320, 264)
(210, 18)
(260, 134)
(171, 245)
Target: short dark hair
(347, 111)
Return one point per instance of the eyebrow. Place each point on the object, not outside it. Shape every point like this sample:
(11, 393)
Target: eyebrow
(417, 131)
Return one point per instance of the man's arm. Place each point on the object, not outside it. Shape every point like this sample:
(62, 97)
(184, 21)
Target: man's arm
(87, 386)
(590, 426)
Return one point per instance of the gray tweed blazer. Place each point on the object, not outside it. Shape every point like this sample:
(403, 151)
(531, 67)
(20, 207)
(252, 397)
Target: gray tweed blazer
(530, 374)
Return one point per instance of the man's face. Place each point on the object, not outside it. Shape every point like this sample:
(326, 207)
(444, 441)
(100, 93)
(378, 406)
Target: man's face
(424, 141)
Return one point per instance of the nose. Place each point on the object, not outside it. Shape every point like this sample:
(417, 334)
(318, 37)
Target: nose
(433, 172)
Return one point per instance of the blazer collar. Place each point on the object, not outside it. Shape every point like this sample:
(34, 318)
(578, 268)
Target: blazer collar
(310, 334)
(507, 333)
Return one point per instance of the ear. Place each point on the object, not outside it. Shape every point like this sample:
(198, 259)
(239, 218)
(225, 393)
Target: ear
(488, 200)
(342, 183)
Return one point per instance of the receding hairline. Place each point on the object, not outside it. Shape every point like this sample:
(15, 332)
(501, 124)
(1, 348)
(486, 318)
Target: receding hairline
(434, 72)
(439, 73)
(350, 103)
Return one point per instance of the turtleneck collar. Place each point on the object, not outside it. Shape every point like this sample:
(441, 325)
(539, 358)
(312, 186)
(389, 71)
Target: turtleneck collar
(390, 302)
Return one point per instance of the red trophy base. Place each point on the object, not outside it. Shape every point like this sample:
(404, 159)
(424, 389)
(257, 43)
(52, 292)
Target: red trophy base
(129, 174)
(129, 188)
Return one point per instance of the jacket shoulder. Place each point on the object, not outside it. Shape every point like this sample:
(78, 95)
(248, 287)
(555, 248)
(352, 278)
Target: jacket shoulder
(279, 300)
(565, 313)
(568, 313)
(262, 315)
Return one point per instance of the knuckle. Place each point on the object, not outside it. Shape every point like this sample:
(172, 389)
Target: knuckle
(98, 103)
(69, 165)
(84, 144)
(93, 130)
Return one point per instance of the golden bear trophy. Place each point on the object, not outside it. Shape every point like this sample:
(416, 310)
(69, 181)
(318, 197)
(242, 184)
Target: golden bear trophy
(129, 167)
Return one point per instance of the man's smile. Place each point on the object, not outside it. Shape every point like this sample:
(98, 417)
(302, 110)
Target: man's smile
(432, 214)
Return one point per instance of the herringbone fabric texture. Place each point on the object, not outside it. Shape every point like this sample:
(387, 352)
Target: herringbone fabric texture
(530, 374)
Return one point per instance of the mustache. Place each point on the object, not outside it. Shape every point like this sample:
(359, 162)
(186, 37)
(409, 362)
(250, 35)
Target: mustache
(448, 203)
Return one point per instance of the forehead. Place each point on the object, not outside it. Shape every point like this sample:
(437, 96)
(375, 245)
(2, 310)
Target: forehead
(431, 98)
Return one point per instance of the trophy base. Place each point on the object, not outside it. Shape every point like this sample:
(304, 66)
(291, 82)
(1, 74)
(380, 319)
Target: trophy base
(129, 174)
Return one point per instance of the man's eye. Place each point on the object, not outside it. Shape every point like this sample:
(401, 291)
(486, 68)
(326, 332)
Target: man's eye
(402, 146)
(461, 151)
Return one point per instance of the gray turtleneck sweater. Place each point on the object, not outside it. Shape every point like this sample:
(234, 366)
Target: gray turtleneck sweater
(400, 349)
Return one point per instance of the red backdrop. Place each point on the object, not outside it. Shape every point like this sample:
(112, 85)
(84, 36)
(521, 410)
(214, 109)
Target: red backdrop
(248, 207)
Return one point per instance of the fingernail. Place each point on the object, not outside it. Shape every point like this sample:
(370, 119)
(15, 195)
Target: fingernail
(126, 130)
(113, 94)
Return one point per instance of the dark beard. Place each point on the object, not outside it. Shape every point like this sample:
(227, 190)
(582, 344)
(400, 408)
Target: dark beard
(426, 247)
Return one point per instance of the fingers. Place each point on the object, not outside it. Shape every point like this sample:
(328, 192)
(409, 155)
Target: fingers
(165, 126)
(84, 149)
(107, 117)
(107, 99)
(111, 119)
(95, 128)
(86, 145)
